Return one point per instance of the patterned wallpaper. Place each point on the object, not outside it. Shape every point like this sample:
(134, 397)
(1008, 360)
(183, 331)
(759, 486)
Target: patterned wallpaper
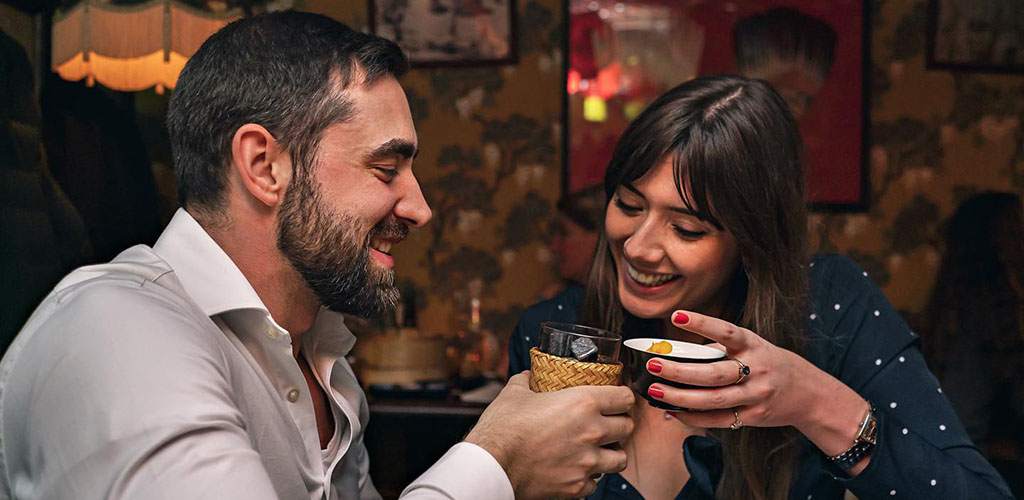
(490, 163)
(936, 137)
(490, 167)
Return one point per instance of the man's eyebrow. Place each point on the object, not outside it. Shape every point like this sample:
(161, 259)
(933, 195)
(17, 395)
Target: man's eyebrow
(392, 148)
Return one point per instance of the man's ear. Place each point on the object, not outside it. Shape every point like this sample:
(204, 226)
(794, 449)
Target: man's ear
(262, 165)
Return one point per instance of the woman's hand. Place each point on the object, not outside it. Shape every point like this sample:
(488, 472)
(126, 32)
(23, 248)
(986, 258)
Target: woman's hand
(781, 388)
(769, 396)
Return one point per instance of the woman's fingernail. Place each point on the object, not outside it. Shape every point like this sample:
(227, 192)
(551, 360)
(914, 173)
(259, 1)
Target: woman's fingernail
(654, 366)
(655, 391)
(680, 318)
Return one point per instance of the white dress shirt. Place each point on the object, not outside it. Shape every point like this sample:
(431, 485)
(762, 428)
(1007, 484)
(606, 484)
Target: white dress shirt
(161, 375)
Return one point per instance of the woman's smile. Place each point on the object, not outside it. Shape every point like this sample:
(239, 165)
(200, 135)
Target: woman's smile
(650, 284)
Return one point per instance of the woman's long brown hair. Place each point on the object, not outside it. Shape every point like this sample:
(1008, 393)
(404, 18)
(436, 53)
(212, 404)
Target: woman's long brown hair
(734, 143)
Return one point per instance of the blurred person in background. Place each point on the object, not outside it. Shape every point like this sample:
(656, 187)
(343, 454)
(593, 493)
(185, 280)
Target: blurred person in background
(42, 236)
(578, 220)
(973, 327)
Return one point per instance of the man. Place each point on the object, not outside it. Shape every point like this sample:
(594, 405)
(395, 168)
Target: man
(212, 365)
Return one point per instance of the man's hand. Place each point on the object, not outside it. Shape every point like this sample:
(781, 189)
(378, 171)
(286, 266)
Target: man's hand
(555, 444)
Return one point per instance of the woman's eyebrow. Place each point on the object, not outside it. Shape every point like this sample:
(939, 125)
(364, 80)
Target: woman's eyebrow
(634, 190)
(681, 210)
(687, 211)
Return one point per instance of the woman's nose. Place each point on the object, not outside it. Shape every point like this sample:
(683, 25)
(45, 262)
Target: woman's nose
(644, 245)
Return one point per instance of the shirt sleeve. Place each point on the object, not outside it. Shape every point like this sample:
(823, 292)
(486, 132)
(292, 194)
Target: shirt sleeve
(970, 383)
(118, 394)
(923, 452)
(466, 472)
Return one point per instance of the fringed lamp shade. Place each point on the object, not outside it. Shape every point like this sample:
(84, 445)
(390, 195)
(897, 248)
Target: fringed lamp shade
(131, 47)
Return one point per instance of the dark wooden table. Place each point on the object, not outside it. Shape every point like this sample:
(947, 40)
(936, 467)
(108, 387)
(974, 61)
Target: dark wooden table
(406, 436)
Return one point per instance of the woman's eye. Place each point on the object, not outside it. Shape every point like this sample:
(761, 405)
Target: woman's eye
(687, 234)
(625, 207)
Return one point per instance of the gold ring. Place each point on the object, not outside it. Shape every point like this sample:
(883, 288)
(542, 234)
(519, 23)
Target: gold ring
(738, 423)
(744, 370)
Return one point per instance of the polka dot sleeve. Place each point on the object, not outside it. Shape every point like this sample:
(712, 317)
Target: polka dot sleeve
(923, 452)
(564, 307)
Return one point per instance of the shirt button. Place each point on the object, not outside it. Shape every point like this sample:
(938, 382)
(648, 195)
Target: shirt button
(273, 333)
(293, 395)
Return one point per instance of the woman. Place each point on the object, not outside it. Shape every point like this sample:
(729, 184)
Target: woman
(973, 328)
(705, 241)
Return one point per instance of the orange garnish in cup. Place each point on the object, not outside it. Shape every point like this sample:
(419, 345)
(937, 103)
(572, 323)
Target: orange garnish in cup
(660, 347)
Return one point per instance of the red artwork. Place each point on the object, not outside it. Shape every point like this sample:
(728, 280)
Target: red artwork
(813, 52)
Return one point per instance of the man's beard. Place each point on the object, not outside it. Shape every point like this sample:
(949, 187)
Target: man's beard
(334, 262)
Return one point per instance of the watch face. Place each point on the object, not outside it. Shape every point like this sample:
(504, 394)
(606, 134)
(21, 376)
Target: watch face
(870, 433)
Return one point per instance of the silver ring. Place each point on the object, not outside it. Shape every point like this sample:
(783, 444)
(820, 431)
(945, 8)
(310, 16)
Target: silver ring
(738, 423)
(744, 370)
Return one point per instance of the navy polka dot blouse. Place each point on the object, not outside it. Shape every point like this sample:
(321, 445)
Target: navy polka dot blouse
(855, 335)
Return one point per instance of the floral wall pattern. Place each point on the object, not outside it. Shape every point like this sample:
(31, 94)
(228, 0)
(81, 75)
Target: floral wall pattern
(490, 167)
(490, 164)
(935, 138)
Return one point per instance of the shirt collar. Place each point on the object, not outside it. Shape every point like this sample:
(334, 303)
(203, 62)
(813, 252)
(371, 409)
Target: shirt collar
(329, 336)
(216, 285)
(207, 274)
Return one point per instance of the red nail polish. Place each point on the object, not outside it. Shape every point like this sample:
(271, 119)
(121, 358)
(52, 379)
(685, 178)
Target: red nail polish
(654, 366)
(680, 318)
(655, 392)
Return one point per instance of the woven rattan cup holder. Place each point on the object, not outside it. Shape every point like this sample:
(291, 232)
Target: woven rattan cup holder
(551, 373)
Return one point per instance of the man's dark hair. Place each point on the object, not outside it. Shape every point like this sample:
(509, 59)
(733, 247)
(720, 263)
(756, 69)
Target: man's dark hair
(285, 71)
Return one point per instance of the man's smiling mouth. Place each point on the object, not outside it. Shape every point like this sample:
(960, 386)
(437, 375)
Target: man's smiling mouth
(382, 246)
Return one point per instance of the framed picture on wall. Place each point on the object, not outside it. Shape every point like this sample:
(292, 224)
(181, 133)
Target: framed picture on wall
(976, 35)
(814, 52)
(448, 32)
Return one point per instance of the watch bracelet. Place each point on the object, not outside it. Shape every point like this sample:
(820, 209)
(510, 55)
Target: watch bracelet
(862, 447)
(855, 454)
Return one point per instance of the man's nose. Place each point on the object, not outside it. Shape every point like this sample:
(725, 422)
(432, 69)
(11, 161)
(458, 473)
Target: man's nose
(412, 207)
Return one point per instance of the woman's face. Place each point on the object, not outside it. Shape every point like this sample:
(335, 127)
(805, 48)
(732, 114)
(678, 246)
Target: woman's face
(666, 257)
